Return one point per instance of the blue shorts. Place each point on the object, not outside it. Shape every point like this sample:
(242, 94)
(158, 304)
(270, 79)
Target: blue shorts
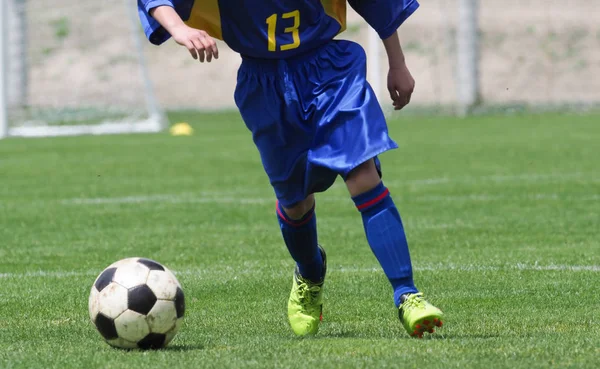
(312, 117)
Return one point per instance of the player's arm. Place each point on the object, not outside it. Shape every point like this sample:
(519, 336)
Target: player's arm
(400, 82)
(198, 42)
(386, 16)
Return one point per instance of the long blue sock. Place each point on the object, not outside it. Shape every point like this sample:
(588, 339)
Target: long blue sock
(300, 236)
(386, 237)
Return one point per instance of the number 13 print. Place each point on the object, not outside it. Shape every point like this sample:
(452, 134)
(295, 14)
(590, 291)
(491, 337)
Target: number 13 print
(272, 26)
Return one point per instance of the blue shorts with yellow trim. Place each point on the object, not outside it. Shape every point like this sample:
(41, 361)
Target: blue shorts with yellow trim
(312, 117)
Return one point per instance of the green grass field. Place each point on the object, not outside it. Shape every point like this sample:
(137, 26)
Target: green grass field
(502, 214)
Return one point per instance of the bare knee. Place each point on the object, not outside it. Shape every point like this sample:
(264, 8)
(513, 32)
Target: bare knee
(363, 178)
(298, 210)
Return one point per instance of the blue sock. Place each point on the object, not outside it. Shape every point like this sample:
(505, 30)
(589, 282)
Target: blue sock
(300, 236)
(386, 237)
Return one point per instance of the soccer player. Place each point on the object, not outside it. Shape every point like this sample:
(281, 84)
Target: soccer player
(313, 117)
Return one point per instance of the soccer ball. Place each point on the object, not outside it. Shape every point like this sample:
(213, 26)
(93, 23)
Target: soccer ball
(137, 303)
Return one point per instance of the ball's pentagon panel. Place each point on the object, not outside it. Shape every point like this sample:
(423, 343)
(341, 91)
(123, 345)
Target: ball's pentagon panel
(162, 317)
(105, 278)
(152, 341)
(151, 264)
(180, 303)
(132, 326)
(141, 299)
(112, 300)
(106, 327)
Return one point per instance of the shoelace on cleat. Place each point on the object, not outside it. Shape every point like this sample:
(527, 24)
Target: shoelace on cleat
(414, 301)
(307, 292)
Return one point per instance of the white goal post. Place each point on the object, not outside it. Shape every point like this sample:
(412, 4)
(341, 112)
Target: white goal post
(467, 66)
(74, 68)
(3, 79)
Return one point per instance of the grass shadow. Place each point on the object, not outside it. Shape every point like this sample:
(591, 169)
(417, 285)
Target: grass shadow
(386, 335)
(353, 334)
(184, 348)
(454, 336)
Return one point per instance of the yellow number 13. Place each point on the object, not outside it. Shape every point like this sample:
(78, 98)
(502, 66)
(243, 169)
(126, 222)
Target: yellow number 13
(272, 24)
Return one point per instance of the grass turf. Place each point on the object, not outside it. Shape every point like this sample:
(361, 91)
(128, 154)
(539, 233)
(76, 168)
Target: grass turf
(502, 215)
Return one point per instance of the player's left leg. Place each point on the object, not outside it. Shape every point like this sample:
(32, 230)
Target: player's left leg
(385, 234)
(266, 97)
(298, 226)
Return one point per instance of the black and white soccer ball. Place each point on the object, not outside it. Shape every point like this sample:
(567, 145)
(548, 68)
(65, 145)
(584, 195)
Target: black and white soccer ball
(137, 303)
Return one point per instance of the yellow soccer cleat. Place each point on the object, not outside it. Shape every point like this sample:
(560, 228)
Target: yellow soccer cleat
(417, 315)
(305, 306)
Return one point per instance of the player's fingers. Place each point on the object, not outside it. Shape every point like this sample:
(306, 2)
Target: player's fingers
(215, 49)
(199, 47)
(207, 43)
(192, 49)
(401, 104)
(209, 54)
(410, 92)
(210, 50)
(401, 101)
(404, 96)
(212, 46)
(393, 94)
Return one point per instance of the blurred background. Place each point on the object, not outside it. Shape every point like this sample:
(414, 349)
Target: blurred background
(88, 61)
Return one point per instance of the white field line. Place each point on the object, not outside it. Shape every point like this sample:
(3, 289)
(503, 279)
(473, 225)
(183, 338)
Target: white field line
(46, 274)
(514, 178)
(488, 268)
(229, 197)
(168, 198)
(332, 222)
(248, 200)
(496, 197)
(523, 177)
(252, 270)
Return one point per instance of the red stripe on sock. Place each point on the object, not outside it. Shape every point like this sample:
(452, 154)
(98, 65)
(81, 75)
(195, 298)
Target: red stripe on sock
(290, 221)
(373, 201)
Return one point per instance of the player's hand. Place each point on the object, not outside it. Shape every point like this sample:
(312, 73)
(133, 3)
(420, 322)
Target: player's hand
(401, 85)
(200, 45)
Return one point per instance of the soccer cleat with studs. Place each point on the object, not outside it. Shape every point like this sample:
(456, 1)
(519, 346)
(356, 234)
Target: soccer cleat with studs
(305, 305)
(418, 316)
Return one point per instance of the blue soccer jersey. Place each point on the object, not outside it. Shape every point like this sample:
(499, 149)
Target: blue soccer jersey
(276, 29)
